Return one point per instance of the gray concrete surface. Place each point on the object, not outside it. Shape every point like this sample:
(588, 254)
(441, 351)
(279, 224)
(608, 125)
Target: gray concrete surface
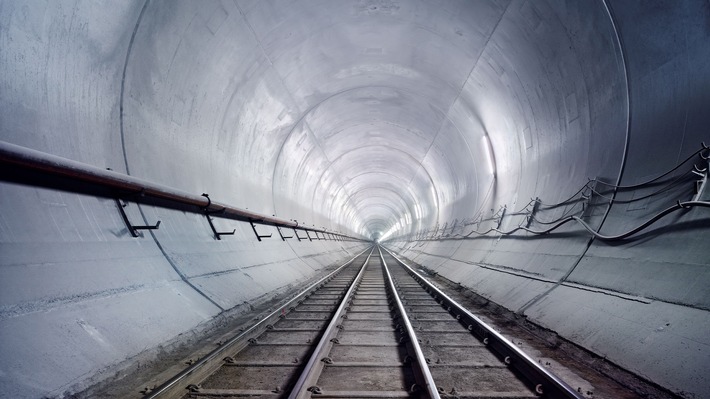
(366, 117)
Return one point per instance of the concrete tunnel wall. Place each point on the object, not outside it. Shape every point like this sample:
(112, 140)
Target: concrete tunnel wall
(364, 117)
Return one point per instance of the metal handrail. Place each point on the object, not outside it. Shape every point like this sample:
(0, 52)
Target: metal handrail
(546, 382)
(38, 161)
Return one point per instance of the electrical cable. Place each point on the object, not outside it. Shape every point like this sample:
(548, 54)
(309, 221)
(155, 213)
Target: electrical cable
(704, 147)
(661, 190)
(626, 187)
(564, 219)
(679, 205)
(564, 215)
(568, 200)
(520, 212)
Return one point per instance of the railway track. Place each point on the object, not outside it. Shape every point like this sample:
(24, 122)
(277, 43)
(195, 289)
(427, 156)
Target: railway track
(374, 328)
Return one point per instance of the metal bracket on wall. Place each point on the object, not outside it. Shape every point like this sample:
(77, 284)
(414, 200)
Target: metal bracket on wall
(701, 184)
(453, 227)
(217, 234)
(120, 204)
(502, 211)
(258, 237)
(531, 216)
(433, 235)
(443, 229)
(309, 236)
(297, 236)
(283, 237)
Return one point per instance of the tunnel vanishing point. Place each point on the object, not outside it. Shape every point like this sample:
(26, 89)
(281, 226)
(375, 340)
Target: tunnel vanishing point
(170, 164)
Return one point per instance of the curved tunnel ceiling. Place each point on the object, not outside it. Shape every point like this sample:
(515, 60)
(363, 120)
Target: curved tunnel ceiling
(327, 94)
(406, 120)
(306, 105)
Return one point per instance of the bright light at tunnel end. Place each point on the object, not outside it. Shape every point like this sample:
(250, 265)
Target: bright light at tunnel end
(386, 235)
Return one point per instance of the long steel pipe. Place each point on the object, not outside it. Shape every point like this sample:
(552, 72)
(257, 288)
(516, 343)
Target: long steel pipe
(29, 159)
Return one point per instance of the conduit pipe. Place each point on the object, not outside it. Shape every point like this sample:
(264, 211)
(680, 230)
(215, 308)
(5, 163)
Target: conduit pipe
(37, 161)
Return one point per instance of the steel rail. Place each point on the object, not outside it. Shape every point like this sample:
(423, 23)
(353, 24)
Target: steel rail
(38, 161)
(429, 384)
(546, 382)
(173, 383)
(313, 368)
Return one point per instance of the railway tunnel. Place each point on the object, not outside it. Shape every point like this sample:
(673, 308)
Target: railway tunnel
(550, 156)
